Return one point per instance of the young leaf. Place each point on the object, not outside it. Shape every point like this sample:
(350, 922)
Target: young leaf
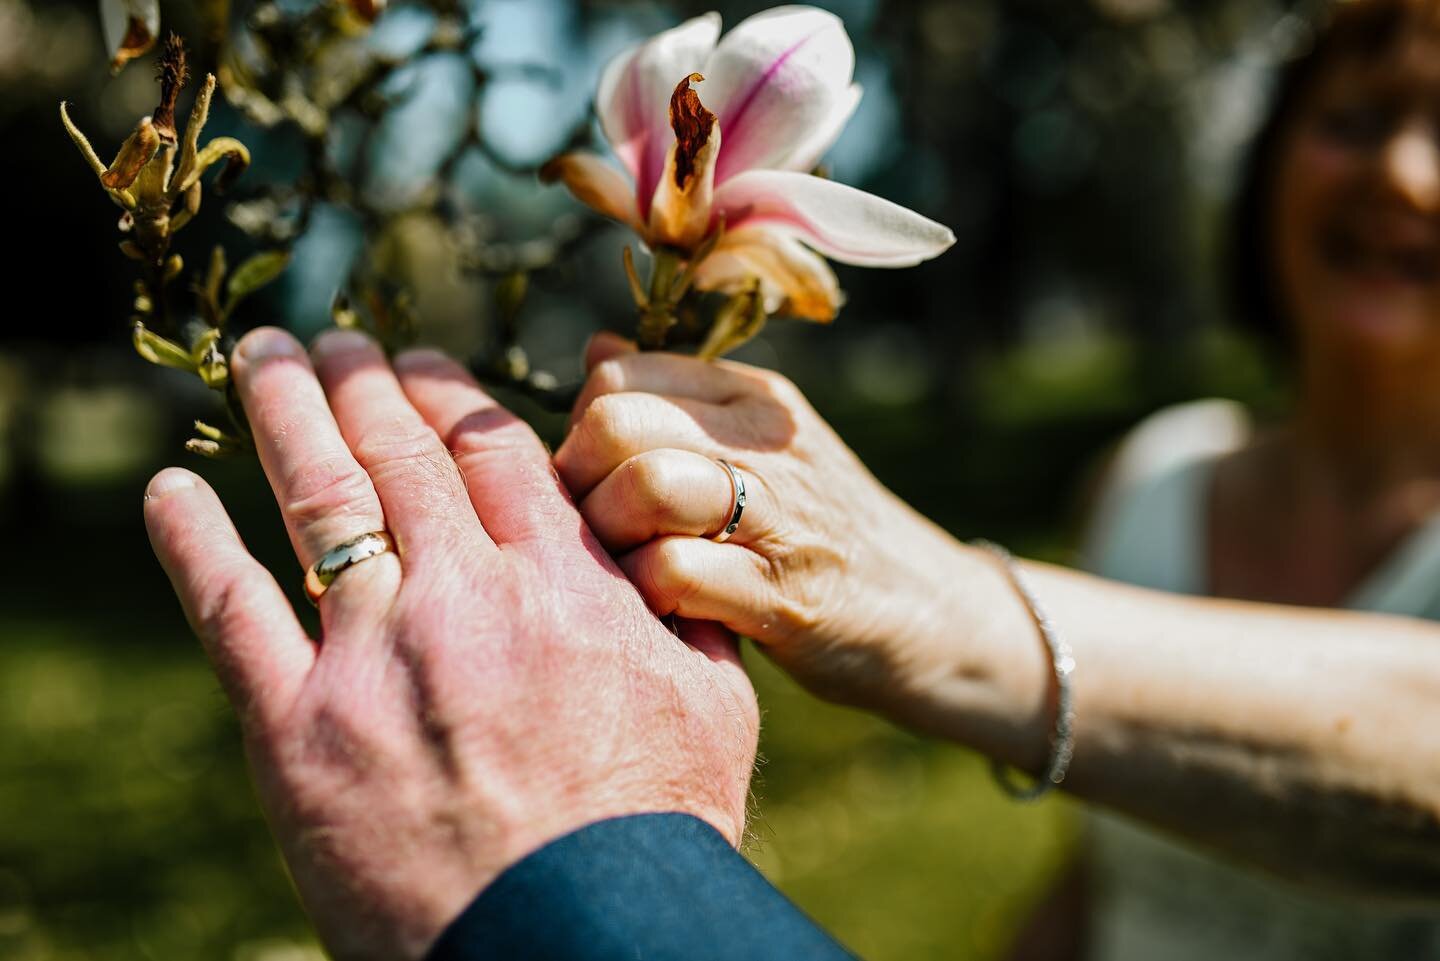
(159, 350)
(253, 274)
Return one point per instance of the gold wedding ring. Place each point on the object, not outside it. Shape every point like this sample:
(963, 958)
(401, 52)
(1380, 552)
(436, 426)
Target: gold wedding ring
(343, 557)
(737, 502)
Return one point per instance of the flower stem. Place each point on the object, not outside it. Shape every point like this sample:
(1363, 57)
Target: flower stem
(657, 316)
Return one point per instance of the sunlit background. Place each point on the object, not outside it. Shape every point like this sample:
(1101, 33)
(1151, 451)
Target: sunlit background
(1082, 150)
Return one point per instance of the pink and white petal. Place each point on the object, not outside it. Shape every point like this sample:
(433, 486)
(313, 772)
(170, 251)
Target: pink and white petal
(634, 93)
(805, 155)
(774, 80)
(793, 279)
(596, 184)
(842, 223)
(130, 28)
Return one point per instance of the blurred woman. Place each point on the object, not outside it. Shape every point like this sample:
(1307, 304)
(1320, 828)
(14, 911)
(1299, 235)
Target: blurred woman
(1336, 251)
(1301, 739)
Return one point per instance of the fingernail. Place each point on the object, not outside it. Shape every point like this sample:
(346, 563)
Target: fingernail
(169, 481)
(421, 358)
(265, 343)
(336, 341)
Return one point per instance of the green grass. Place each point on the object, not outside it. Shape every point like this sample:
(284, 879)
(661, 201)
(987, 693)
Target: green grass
(130, 830)
(903, 848)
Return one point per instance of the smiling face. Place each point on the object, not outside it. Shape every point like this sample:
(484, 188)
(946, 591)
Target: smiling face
(1355, 205)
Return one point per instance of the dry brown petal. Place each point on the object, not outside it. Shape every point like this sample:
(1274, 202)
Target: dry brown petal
(172, 72)
(134, 154)
(692, 124)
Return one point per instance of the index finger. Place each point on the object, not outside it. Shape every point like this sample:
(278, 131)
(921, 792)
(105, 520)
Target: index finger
(613, 369)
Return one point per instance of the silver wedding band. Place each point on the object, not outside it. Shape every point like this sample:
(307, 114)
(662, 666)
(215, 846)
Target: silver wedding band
(737, 502)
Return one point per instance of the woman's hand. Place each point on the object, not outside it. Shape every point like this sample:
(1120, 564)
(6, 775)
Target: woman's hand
(1289, 714)
(840, 580)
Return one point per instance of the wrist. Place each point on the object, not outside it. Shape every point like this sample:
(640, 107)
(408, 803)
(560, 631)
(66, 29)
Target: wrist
(969, 665)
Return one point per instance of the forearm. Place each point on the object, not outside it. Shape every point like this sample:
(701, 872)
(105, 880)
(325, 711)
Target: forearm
(1299, 739)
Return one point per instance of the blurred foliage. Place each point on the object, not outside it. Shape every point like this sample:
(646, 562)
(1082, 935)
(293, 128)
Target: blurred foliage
(1082, 151)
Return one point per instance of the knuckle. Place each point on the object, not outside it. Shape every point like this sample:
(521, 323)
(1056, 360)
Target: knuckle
(488, 429)
(607, 377)
(796, 617)
(607, 422)
(320, 490)
(651, 483)
(774, 381)
(402, 444)
(799, 590)
(774, 387)
(669, 577)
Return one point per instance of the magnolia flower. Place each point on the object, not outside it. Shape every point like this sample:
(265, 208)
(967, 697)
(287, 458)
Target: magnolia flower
(130, 27)
(721, 175)
(367, 10)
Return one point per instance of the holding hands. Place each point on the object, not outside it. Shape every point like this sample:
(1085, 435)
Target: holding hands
(841, 581)
(491, 684)
(491, 680)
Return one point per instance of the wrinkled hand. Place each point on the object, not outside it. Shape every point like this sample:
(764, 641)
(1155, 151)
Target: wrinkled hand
(494, 685)
(832, 573)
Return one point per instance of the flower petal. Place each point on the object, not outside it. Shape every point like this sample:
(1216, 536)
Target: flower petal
(130, 28)
(596, 184)
(840, 222)
(804, 155)
(680, 213)
(134, 155)
(774, 79)
(794, 280)
(635, 89)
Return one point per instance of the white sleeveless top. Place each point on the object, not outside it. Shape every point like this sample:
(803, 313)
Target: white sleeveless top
(1155, 899)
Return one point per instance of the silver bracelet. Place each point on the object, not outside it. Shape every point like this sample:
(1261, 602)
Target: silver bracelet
(1062, 738)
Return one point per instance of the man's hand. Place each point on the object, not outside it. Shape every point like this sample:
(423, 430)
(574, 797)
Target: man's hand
(490, 686)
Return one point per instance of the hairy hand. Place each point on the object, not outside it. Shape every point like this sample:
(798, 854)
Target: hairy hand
(490, 686)
(828, 569)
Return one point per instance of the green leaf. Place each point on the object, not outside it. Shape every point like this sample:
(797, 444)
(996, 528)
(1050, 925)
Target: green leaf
(235, 154)
(159, 350)
(737, 321)
(81, 141)
(210, 362)
(253, 274)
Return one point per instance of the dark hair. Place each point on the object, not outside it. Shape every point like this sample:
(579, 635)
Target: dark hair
(1357, 29)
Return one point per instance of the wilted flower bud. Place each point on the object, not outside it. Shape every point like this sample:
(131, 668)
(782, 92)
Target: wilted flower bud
(155, 176)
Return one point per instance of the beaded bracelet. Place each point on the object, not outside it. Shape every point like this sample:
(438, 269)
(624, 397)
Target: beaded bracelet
(1062, 738)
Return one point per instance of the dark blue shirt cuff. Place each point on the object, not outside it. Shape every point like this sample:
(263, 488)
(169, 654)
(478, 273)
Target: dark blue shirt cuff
(651, 887)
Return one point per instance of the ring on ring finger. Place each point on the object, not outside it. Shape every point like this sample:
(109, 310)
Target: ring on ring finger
(737, 502)
(341, 558)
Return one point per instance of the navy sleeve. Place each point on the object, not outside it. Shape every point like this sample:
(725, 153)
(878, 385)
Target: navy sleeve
(651, 887)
